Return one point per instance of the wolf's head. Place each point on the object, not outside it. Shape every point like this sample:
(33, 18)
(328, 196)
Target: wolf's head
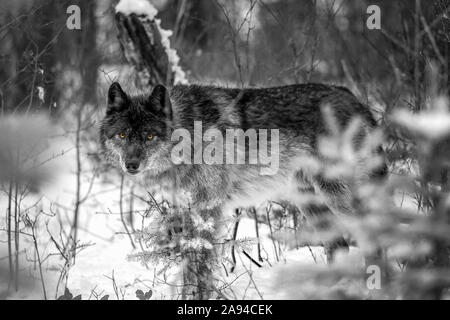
(134, 132)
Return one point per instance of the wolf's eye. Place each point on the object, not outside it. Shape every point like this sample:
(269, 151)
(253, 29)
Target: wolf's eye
(149, 136)
(122, 135)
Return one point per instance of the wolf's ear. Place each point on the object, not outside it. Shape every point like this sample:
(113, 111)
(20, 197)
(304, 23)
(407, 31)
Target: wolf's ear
(117, 99)
(159, 100)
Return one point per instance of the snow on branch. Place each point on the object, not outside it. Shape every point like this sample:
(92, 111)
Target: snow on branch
(146, 45)
(139, 7)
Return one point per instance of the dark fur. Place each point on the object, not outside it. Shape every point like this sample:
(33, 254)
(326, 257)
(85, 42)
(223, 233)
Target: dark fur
(295, 110)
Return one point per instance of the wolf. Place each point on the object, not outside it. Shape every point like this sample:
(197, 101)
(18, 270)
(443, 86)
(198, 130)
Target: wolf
(136, 134)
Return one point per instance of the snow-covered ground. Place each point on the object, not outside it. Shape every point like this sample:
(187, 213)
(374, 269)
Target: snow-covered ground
(107, 249)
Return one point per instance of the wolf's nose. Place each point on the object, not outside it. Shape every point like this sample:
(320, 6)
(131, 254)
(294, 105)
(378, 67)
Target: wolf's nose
(132, 165)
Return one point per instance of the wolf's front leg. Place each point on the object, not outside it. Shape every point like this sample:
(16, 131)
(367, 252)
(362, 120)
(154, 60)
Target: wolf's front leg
(319, 217)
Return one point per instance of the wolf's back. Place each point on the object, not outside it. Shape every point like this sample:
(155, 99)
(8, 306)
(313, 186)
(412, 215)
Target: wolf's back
(294, 108)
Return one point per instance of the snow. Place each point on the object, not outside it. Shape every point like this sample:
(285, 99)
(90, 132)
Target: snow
(139, 7)
(294, 276)
(174, 59)
(196, 244)
(100, 226)
(432, 124)
(41, 93)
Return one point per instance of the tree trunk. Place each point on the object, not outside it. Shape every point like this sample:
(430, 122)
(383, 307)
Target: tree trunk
(140, 40)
